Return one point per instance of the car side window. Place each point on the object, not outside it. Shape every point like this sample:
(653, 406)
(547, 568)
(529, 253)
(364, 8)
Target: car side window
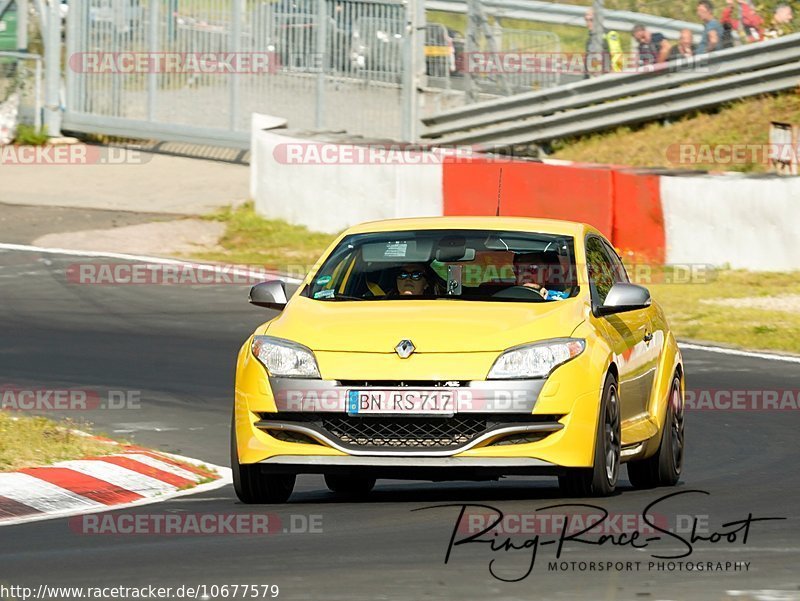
(601, 270)
(617, 268)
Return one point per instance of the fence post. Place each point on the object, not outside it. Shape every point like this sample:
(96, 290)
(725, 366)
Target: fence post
(73, 46)
(598, 32)
(22, 25)
(37, 95)
(52, 66)
(320, 57)
(152, 45)
(41, 10)
(414, 71)
(235, 46)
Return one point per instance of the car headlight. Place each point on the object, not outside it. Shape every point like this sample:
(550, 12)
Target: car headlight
(284, 357)
(535, 360)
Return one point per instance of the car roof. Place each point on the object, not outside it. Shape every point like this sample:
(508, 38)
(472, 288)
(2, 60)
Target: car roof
(521, 224)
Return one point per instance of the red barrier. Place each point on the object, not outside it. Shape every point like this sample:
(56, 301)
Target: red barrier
(623, 204)
(638, 219)
(530, 189)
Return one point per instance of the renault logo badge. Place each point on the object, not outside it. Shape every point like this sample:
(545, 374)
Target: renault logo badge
(404, 349)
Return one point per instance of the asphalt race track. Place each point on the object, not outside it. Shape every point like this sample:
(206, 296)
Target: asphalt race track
(177, 346)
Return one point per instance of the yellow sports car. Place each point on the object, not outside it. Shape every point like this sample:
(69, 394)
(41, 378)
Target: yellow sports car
(463, 348)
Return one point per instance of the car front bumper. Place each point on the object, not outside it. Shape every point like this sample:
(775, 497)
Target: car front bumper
(285, 424)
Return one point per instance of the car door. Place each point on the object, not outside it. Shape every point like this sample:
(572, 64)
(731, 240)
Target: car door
(628, 333)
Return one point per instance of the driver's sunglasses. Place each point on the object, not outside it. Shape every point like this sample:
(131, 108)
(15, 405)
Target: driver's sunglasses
(414, 275)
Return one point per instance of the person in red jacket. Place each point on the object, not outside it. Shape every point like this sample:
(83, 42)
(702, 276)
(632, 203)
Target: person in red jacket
(752, 25)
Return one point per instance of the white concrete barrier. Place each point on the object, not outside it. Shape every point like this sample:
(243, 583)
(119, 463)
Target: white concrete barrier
(744, 222)
(328, 187)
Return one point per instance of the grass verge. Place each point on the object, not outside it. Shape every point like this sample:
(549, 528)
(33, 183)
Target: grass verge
(659, 145)
(695, 310)
(252, 240)
(27, 441)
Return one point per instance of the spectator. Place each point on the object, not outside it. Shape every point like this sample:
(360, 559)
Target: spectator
(685, 47)
(610, 48)
(653, 47)
(712, 30)
(751, 25)
(781, 22)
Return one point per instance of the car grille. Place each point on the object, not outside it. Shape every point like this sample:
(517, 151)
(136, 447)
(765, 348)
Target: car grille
(427, 432)
(405, 432)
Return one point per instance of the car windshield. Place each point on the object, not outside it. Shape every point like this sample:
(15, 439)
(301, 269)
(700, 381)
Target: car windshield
(476, 265)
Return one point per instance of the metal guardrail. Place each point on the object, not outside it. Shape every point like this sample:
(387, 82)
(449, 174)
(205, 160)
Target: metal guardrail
(613, 100)
(568, 14)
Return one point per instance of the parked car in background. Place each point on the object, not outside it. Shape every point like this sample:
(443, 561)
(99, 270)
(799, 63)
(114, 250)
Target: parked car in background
(377, 44)
(8, 30)
(289, 30)
(8, 43)
(121, 16)
(439, 51)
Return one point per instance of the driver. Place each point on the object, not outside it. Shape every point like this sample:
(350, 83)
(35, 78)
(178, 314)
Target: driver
(413, 279)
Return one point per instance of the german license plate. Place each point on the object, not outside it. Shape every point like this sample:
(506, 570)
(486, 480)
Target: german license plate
(401, 402)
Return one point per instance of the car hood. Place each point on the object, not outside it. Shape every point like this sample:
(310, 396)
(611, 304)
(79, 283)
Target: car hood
(434, 326)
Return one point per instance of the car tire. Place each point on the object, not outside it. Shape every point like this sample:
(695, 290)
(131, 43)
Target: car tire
(252, 485)
(351, 486)
(601, 479)
(665, 466)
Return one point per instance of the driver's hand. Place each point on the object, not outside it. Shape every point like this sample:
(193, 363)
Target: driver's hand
(540, 289)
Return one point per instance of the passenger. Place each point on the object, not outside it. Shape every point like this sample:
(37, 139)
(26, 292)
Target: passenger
(540, 272)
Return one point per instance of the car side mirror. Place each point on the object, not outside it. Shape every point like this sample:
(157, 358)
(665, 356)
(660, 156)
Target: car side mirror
(271, 295)
(625, 297)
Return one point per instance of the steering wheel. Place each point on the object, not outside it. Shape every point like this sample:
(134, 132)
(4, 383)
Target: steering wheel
(521, 293)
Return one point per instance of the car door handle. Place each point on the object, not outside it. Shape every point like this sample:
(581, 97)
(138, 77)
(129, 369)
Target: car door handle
(648, 336)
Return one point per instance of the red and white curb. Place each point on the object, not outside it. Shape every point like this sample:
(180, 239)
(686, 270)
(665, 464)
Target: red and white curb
(134, 476)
